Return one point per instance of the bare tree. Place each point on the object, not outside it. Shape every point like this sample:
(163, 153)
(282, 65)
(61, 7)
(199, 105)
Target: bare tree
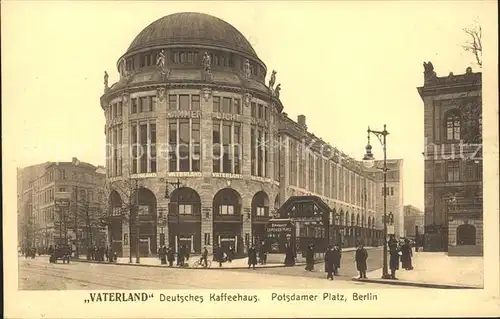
(474, 43)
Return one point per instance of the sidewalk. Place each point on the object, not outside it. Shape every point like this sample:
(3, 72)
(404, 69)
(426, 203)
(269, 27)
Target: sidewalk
(436, 270)
(273, 261)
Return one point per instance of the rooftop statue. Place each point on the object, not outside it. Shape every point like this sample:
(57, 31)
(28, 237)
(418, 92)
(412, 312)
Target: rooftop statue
(272, 80)
(207, 63)
(106, 77)
(161, 61)
(429, 70)
(277, 91)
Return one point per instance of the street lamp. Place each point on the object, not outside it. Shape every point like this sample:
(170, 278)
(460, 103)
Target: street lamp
(368, 161)
(177, 184)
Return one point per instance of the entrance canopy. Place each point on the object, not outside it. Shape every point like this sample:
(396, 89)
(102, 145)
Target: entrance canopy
(305, 208)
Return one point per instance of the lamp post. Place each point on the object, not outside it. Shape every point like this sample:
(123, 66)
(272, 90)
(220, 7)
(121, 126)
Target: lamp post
(337, 226)
(368, 159)
(177, 184)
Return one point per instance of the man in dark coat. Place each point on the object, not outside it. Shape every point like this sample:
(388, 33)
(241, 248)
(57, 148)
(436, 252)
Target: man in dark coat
(204, 256)
(361, 257)
(180, 256)
(230, 253)
(252, 257)
(170, 256)
(310, 258)
(218, 255)
(394, 256)
(406, 254)
(289, 255)
(163, 255)
(329, 262)
(337, 256)
(262, 254)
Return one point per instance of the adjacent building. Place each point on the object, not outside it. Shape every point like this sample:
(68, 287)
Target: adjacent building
(394, 194)
(200, 142)
(414, 221)
(453, 162)
(49, 224)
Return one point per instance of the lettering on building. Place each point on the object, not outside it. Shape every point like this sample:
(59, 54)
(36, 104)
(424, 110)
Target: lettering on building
(226, 116)
(184, 114)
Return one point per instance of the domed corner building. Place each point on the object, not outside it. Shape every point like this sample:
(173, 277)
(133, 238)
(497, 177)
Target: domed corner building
(188, 128)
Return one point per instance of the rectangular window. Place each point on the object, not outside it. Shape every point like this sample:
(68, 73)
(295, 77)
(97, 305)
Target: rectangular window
(152, 103)
(152, 136)
(183, 102)
(144, 151)
(392, 191)
(260, 153)
(120, 108)
(113, 108)
(253, 109)
(135, 148)
(326, 184)
(260, 113)
(185, 210)
(195, 102)
(144, 104)
(216, 104)
(172, 102)
(265, 149)
(266, 112)
(196, 146)
(311, 173)
(453, 169)
(134, 106)
(293, 162)
(319, 175)
(226, 210)
(253, 150)
(226, 105)
(237, 147)
(172, 142)
(260, 211)
(216, 146)
(226, 143)
(184, 145)
(236, 106)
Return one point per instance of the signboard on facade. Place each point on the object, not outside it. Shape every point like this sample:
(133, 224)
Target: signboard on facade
(390, 229)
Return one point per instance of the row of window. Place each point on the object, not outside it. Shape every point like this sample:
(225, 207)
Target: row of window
(324, 178)
(187, 102)
(220, 59)
(184, 145)
(472, 171)
(143, 138)
(227, 147)
(453, 125)
(388, 190)
(44, 197)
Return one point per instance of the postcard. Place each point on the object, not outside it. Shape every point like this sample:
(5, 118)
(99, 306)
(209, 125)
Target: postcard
(173, 159)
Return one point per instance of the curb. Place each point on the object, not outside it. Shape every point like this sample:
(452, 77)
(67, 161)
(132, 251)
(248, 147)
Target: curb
(414, 284)
(166, 267)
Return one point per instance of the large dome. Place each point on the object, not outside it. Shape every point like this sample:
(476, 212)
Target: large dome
(191, 28)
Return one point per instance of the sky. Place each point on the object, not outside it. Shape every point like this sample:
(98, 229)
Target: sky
(344, 65)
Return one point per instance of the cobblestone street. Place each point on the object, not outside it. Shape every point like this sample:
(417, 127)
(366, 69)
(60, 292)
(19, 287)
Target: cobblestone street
(38, 274)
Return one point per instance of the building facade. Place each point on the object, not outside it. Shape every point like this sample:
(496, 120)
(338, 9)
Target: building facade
(414, 221)
(50, 224)
(394, 190)
(453, 162)
(198, 140)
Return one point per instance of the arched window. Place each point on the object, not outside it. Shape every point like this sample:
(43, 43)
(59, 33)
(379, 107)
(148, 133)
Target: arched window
(466, 235)
(452, 120)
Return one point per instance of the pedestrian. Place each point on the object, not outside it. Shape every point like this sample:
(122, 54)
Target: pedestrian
(252, 257)
(180, 256)
(310, 258)
(204, 256)
(163, 255)
(218, 255)
(361, 257)
(329, 262)
(406, 254)
(170, 256)
(230, 254)
(394, 256)
(262, 254)
(337, 256)
(289, 255)
(106, 253)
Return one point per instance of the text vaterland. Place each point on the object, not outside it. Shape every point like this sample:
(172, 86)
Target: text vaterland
(284, 297)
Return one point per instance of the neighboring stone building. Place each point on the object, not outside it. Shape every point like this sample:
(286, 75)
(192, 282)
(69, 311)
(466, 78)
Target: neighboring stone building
(453, 162)
(414, 221)
(395, 200)
(193, 104)
(84, 182)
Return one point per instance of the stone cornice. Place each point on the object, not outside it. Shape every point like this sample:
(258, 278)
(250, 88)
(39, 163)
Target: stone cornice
(451, 84)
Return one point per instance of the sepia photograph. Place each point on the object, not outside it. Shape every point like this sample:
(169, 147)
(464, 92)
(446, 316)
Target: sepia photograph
(296, 156)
